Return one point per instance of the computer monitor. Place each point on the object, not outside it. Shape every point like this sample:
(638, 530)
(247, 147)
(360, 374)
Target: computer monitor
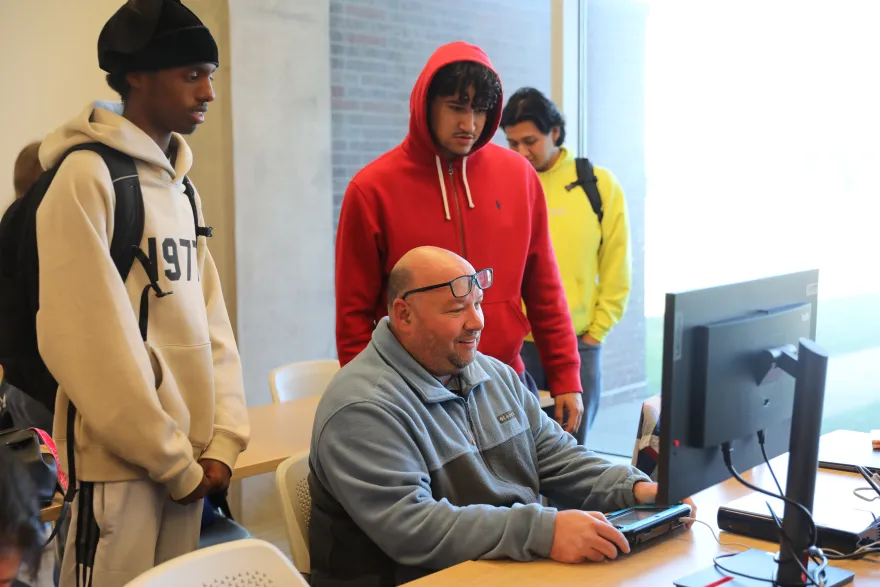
(739, 365)
(711, 340)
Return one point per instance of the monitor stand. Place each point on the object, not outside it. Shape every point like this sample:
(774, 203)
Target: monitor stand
(808, 364)
(761, 566)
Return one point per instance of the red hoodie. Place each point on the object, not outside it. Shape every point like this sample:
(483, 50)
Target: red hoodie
(488, 207)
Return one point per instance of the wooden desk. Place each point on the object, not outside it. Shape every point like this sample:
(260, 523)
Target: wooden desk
(545, 399)
(664, 561)
(52, 512)
(278, 431)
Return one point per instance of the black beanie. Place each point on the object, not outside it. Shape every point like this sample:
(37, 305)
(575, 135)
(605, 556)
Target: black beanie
(148, 35)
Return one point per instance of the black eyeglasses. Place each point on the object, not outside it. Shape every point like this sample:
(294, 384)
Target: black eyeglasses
(460, 286)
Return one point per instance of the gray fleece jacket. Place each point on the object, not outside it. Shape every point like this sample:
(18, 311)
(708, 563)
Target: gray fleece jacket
(435, 477)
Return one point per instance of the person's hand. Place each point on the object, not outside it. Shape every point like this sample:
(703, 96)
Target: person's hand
(646, 493)
(198, 494)
(590, 340)
(572, 405)
(690, 502)
(580, 536)
(218, 475)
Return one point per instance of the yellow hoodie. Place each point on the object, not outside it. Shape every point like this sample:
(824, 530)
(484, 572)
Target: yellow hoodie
(144, 410)
(597, 278)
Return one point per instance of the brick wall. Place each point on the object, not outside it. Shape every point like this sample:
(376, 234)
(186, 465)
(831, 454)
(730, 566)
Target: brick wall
(378, 48)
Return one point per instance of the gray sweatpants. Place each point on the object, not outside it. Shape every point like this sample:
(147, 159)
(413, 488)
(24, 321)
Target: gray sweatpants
(123, 529)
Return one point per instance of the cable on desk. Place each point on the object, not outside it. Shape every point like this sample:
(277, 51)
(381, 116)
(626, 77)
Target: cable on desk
(761, 439)
(857, 492)
(729, 544)
(726, 450)
(866, 550)
(714, 534)
(815, 553)
(733, 573)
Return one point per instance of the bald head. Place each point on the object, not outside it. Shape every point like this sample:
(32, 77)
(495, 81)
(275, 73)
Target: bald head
(439, 329)
(424, 266)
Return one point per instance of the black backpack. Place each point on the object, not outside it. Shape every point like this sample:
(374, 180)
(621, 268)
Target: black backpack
(19, 267)
(19, 280)
(586, 180)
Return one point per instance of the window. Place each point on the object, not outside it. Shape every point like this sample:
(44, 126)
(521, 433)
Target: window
(760, 149)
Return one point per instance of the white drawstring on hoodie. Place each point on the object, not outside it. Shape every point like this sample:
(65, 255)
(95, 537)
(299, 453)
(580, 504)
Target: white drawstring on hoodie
(467, 188)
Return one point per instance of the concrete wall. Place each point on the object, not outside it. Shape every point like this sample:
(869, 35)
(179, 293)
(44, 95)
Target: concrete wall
(49, 70)
(280, 53)
(213, 169)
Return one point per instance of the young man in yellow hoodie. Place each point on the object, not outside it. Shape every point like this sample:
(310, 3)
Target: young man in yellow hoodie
(160, 414)
(594, 257)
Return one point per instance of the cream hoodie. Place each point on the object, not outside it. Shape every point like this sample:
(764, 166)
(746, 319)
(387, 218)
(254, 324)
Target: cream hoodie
(143, 410)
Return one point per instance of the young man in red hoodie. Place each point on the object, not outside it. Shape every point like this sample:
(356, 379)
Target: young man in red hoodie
(448, 186)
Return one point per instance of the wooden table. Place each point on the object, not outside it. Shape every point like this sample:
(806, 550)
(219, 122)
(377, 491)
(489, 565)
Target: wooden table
(545, 399)
(278, 431)
(666, 560)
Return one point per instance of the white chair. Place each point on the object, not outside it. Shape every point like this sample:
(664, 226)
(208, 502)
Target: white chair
(647, 447)
(249, 563)
(303, 379)
(292, 481)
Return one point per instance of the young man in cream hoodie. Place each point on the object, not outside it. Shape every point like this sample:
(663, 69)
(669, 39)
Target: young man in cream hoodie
(160, 419)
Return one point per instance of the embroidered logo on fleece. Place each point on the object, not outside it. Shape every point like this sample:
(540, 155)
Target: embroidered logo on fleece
(505, 417)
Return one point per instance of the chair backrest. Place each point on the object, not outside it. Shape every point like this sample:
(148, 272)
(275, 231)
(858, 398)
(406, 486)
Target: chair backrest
(646, 451)
(292, 482)
(303, 379)
(244, 562)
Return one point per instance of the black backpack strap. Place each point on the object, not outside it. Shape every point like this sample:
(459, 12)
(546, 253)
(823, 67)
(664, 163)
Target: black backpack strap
(205, 231)
(128, 216)
(71, 474)
(587, 180)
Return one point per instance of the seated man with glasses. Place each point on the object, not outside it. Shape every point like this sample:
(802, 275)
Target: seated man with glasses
(426, 453)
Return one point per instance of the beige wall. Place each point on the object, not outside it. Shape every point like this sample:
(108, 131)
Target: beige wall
(212, 170)
(49, 70)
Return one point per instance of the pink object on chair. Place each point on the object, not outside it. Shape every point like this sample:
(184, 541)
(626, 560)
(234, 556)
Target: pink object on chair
(647, 448)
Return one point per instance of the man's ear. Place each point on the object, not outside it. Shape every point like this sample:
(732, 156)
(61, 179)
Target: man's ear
(554, 134)
(136, 79)
(401, 314)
